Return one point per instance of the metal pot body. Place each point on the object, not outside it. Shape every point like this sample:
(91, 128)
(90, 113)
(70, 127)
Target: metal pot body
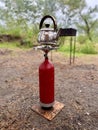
(46, 84)
(47, 35)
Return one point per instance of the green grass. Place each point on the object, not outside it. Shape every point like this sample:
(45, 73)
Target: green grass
(88, 49)
(10, 45)
(83, 46)
(14, 45)
(66, 52)
(81, 49)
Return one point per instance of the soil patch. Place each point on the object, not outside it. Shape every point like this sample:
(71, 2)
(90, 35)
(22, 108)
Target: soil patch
(9, 38)
(76, 86)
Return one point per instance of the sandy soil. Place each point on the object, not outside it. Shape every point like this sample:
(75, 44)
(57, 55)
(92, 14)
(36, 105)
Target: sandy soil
(76, 86)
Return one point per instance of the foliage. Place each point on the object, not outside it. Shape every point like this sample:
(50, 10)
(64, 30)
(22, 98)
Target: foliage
(70, 9)
(89, 22)
(25, 12)
(64, 48)
(22, 17)
(82, 39)
(28, 36)
(61, 41)
(88, 48)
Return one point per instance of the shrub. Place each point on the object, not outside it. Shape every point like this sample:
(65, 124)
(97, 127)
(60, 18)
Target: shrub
(82, 39)
(88, 48)
(28, 35)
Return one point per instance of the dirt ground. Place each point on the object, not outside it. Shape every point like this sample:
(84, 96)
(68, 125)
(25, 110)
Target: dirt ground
(76, 86)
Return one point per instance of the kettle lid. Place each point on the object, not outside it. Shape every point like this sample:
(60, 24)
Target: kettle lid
(47, 29)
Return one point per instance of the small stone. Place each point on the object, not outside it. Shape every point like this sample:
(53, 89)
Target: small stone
(79, 123)
(80, 91)
(87, 113)
(6, 81)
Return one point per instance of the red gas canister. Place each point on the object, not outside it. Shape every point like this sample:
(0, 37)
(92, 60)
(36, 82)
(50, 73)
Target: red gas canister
(46, 84)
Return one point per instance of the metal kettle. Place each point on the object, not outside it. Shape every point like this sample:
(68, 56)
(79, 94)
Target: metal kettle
(48, 35)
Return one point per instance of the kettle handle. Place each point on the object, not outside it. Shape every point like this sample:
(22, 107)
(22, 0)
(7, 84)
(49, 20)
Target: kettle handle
(45, 17)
